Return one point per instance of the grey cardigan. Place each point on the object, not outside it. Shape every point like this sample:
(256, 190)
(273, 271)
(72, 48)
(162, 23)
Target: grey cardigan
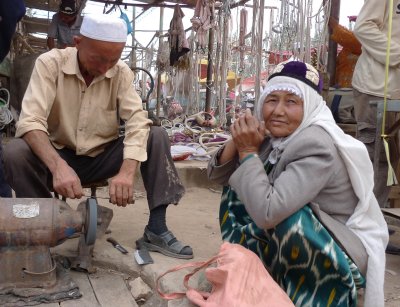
(310, 170)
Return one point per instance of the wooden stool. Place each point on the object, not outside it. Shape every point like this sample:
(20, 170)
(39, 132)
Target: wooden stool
(93, 187)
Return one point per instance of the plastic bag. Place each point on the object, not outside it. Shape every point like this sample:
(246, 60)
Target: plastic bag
(239, 280)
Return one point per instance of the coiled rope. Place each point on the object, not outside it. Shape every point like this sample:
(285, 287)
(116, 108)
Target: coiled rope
(5, 113)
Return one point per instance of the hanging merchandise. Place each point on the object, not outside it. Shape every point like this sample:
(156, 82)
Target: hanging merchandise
(163, 57)
(201, 21)
(299, 33)
(225, 59)
(177, 37)
(242, 34)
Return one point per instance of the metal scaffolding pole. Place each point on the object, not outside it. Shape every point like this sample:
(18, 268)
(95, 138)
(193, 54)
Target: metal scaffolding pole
(210, 87)
(159, 72)
(332, 47)
(259, 51)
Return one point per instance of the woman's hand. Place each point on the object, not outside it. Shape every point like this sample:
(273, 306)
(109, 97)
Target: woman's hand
(247, 134)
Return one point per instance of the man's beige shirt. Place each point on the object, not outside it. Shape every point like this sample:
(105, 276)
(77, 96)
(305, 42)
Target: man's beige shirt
(83, 118)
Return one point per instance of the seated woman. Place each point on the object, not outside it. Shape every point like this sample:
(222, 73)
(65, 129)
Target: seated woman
(298, 192)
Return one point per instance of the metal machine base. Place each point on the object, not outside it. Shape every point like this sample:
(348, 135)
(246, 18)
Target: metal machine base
(25, 267)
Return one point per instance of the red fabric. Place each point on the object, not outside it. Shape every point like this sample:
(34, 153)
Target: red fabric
(239, 280)
(249, 83)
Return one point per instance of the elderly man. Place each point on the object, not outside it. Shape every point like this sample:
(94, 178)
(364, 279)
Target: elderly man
(64, 25)
(67, 134)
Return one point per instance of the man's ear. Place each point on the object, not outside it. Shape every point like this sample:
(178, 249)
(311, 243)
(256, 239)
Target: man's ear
(77, 40)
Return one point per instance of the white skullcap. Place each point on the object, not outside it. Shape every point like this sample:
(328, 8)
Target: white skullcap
(104, 28)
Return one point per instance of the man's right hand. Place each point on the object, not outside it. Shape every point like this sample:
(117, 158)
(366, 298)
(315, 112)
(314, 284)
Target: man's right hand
(66, 182)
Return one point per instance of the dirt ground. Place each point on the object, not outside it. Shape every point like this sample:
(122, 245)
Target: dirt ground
(195, 222)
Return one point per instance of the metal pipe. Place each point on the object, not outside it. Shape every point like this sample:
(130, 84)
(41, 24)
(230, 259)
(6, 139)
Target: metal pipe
(209, 84)
(144, 5)
(259, 53)
(133, 51)
(240, 3)
(159, 72)
(332, 46)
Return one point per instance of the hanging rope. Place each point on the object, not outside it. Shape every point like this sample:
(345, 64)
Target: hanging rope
(323, 34)
(391, 174)
(226, 12)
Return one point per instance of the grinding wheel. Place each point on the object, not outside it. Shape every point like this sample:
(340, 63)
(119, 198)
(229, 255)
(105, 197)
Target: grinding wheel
(91, 221)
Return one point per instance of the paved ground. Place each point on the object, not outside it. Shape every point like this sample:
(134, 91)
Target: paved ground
(194, 221)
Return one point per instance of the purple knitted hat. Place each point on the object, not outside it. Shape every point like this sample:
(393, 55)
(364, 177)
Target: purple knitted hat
(300, 71)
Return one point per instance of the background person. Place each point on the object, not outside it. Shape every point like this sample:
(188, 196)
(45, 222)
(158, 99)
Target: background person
(371, 29)
(64, 25)
(300, 198)
(11, 11)
(347, 58)
(68, 131)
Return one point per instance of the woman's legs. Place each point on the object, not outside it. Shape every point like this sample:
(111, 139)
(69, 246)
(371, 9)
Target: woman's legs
(299, 253)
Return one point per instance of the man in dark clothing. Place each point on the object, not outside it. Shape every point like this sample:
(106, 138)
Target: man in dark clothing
(11, 11)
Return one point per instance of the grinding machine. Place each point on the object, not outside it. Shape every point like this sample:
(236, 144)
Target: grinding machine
(29, 227)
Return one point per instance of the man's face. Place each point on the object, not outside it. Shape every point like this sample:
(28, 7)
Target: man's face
(67, 19)
(97, 57)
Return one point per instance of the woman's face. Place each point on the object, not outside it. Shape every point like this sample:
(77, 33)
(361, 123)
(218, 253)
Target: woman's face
(282, 113)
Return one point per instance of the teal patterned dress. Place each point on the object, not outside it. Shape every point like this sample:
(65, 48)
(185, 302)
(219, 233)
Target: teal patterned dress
(299, 253)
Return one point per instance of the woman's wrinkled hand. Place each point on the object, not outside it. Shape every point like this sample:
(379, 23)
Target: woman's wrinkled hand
(247, 133)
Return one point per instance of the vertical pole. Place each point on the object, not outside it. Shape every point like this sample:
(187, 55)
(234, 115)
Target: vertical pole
(224, 69)
(332, 46)
(259, 53)
(133, 50)
(159, 72)
(218, 65)
(209, 86)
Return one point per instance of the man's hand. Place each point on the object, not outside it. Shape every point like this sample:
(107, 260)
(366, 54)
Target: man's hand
(121, 185)
(247, 134)
(51, 43)
(65, 181)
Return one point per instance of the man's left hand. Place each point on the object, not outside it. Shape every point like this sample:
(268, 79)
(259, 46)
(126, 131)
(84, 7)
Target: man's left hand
(121, 185)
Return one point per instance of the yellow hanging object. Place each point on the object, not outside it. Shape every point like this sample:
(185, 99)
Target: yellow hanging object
(391, 179)
(391, 174)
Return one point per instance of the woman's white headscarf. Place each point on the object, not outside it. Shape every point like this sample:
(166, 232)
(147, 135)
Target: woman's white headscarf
(367, 221)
